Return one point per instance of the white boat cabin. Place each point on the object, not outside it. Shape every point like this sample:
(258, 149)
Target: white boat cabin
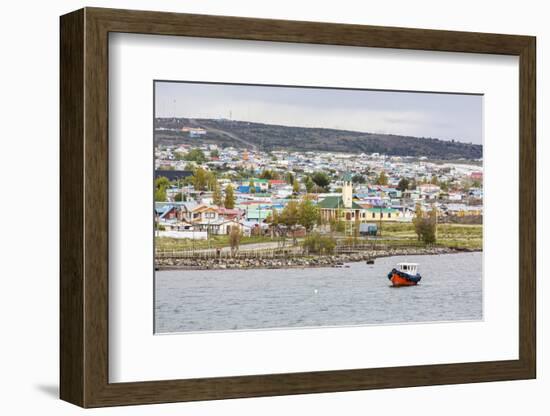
(409, 268)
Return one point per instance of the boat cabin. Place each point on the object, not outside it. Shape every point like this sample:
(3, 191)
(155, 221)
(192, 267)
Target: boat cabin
(409, 268)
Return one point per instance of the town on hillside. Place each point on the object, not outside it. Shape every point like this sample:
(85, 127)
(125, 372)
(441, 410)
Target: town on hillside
(229, 202)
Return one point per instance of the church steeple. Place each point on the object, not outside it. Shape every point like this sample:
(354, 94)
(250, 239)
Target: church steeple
(347, 191)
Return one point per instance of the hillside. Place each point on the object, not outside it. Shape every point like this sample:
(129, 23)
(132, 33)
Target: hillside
(268, 137)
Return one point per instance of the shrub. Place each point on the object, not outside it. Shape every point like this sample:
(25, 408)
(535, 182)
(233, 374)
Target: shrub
(425, 226)
(316, 243)
(235, 236)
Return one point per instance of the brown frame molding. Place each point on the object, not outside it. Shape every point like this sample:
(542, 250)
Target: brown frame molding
(84, 207)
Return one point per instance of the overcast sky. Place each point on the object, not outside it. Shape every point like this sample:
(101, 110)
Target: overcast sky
(443, 116)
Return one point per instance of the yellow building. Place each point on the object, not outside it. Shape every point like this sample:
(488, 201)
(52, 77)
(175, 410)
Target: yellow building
(344, 208)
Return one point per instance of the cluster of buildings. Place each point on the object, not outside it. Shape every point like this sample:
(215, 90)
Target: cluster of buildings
(353, 196)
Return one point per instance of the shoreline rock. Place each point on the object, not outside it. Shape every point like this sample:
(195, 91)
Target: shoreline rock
(335, 260)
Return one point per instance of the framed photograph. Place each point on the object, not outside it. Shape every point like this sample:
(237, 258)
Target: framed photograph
(255, 207)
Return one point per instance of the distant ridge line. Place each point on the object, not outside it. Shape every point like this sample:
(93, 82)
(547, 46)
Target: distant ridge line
(269, 137)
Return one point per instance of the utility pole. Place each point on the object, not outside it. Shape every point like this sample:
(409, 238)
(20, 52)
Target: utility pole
(380, 219)
(182, 182)
(193, 228)
(208, 232)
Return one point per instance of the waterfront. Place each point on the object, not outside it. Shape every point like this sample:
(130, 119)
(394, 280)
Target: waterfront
(358, 294)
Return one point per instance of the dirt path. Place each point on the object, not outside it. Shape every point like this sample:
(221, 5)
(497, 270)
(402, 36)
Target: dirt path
(226, 133)
(252, 246)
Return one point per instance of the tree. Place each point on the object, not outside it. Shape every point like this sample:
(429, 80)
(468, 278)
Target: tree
(214, 154)
(427, 231)
(337, 225)
(382, 179)
(217, 196)
(247, 173)
(308, 214)
(195, 155)
(434, 180)
(321, 179)
(251, 187)
(229, 201)
(358, 179)
(269, 174)
(180, 197)
(317, 189)
(356, 230)
(179, 156)
(161, 183)
(417, 221)
(235, 236)
(295, 186)
(309, 184)
(290, 178)
(211, 181)
(200, 179)
(430, 233)
(290, 216)
(403, 184)
(190, 167)
(274, 219)
(426, 226)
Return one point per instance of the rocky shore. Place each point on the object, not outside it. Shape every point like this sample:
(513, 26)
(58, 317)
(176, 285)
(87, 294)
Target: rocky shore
(336, 260)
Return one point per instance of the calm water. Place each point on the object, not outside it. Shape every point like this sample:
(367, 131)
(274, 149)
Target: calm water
(220, 300)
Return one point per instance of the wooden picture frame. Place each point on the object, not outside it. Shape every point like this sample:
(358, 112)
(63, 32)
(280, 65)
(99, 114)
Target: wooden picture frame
(84, 207)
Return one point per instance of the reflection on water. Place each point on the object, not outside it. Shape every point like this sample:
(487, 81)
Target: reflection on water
(220, 300)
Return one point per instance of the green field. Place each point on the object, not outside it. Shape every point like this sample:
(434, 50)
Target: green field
(448, 235)
(392, 234)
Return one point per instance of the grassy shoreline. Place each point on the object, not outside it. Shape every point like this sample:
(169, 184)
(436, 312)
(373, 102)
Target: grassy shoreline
(215, 241)
(301, 262)
(455, 236)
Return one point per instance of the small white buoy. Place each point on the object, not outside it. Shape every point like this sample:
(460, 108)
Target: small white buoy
(315, 291)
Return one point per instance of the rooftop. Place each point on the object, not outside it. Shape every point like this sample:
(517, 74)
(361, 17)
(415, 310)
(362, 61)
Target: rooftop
(335, 202)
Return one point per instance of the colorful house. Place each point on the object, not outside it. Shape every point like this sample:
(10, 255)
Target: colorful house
(383, 214)
(428, 191)
(341, 207)
(204, 214)
(261, 185)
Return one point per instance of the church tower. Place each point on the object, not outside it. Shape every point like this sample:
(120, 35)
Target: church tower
(347, 191)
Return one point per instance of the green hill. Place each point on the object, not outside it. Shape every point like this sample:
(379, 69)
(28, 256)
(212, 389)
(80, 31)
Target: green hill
(268, 137)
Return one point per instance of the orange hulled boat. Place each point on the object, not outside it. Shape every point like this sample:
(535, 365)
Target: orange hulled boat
(405, 274)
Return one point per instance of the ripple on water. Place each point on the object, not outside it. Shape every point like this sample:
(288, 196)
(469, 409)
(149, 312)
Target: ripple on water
(221, 300)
